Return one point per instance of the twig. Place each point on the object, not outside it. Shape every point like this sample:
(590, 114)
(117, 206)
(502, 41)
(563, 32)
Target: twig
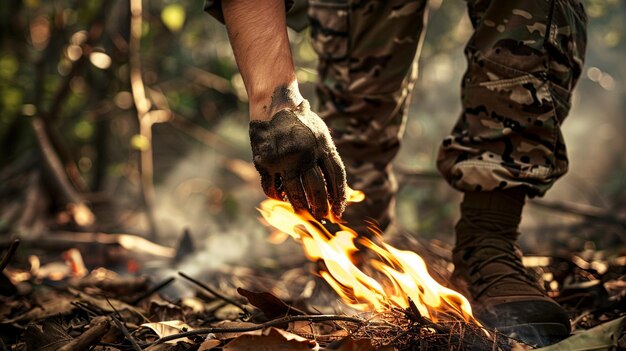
(9, 255)
(153, 290)
(126, 333)
(85, 308)
(99, 327)
(214, 293)
(280, 321)
(580, 318)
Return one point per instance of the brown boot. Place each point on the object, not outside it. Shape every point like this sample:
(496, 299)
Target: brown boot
(488, 268)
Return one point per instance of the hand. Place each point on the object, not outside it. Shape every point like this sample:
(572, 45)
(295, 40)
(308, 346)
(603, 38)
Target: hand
(296, 157)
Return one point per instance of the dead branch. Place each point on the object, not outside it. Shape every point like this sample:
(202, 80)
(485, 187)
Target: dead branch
(94, 35)
(131, 242)
(273, 323)
(201, 134)
(99, 327)
(153, 290)
(126, 333)
(215, 293)
(142, 105)
(63, 90)
(81, 213)
(7, 258)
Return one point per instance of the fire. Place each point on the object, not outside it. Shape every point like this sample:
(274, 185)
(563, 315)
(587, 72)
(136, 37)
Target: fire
(395, 276)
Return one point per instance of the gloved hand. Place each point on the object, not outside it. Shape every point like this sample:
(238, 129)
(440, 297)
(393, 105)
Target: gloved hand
(296, 157)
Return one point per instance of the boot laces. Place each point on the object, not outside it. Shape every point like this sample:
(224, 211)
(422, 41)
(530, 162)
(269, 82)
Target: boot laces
(507, 257)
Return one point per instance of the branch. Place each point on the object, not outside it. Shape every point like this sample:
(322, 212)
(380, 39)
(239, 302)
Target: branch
(276, 322)
(126, 333)
(99, 327)
(81, 214)
(7, 258)
(63, 90)
(95, 33)
(152, 291)
(142, 105)
(201, 134)
(214, 293)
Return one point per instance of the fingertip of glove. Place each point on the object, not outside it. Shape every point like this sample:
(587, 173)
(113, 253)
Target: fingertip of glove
(339, 207)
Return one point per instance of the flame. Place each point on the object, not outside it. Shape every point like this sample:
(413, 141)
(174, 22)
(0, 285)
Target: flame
(396, 276)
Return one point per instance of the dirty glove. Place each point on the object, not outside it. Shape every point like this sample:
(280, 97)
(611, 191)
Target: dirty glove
(296, 157)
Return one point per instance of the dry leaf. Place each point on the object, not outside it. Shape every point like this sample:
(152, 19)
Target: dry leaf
(603, 337)
(272, 306)
(49, 336)
(287, 335)
(60, 306)
(167, 328)
(209, 344)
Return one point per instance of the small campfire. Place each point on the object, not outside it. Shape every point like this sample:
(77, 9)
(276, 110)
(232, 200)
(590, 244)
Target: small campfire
(404, 276)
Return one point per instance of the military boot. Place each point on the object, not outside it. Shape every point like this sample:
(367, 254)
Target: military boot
(489, 270)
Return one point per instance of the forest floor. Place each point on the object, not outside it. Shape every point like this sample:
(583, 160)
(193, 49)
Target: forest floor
(52, 300)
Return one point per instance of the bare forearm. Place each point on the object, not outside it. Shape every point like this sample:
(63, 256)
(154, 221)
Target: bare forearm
(258, 35)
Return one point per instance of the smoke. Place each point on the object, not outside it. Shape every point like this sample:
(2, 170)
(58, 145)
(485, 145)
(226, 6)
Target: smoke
(219, 210)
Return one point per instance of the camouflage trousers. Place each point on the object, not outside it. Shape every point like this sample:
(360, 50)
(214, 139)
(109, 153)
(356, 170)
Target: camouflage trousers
(524, 59)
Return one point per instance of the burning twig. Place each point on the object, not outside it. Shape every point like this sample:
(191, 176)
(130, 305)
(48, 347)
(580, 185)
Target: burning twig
(272, 323)
(7, 258)
(99, 327)
(152, 291)
(215, 293)
(126, 333)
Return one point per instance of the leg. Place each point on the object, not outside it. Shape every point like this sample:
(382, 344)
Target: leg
(523, 62)
(515, 95)
(367, 68)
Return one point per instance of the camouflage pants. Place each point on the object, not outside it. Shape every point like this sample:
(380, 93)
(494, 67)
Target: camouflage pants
(524, 59)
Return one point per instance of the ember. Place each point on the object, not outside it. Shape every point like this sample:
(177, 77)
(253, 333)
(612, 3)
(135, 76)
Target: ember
(404, 276)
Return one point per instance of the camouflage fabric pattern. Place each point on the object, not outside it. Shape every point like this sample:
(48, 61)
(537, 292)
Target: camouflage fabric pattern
(524, 60)
(367, 68)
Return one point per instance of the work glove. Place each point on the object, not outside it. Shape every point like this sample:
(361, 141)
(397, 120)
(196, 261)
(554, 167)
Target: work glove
(297, 158)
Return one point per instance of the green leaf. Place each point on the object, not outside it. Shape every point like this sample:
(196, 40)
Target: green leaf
(8, 67)
(600, 338)
(12, 100)
(139, 142)
(83, 130)
(173, 16)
